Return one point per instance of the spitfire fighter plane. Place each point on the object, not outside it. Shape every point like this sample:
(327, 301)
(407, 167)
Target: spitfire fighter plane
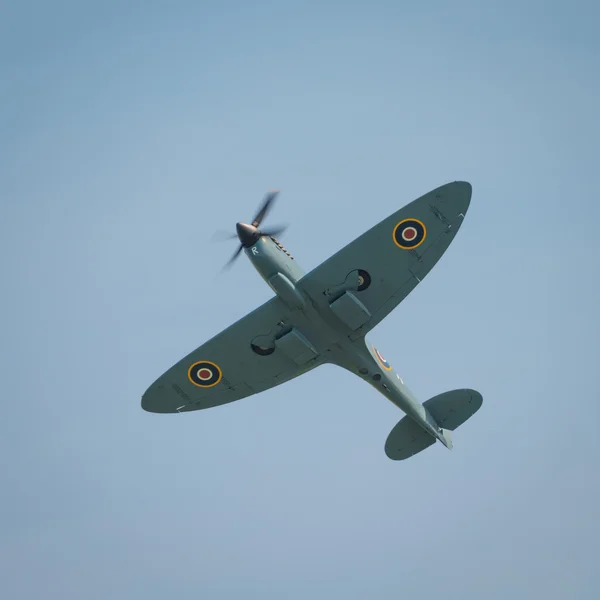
(324, 316)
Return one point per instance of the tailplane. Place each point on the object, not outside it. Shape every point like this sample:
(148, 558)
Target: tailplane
(406, 439)
(449, 410)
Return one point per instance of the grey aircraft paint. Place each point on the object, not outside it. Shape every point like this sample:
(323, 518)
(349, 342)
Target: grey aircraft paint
(324, 316)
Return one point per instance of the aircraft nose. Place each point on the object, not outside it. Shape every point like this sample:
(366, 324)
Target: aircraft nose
(247, 234)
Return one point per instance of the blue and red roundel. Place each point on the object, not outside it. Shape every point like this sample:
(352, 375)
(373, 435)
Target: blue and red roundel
(204, 374)
(409, 234)
(384, 363)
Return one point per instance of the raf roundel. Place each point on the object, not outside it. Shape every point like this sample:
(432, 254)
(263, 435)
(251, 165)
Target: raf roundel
(384, 363)
(204, 374)
(409, 234)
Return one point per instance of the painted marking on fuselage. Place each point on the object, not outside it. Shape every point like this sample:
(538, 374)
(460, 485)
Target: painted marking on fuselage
(254, 250)
(384, 363)
(205, 374)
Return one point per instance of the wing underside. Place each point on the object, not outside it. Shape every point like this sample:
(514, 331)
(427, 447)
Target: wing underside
(358, 286)
(236, 363)
(382, 266)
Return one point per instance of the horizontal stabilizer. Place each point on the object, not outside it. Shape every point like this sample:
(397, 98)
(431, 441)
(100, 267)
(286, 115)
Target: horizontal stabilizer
(449, 410)
(406, 439)
(452, 409)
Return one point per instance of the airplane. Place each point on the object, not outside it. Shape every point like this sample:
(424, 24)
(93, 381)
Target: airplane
(323, 317)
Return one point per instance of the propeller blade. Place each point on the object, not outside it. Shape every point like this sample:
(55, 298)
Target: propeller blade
(275, 231)
(264, 209)
(220, 236)
(232, 259)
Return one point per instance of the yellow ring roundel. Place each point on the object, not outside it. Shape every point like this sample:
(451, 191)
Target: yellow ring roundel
(384, 363)
(409, 234)
(205, 374)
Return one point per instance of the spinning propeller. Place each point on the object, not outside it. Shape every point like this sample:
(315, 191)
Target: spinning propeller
(250, 234)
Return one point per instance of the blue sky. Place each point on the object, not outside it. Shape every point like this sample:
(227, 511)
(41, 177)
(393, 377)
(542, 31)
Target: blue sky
(131, 132)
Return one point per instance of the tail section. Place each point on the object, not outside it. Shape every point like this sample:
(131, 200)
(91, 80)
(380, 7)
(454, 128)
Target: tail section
(451, 409)
(406, 439)
(447, 411)
(446, 438)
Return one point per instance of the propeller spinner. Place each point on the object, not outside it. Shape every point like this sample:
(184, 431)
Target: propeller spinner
(249, 234)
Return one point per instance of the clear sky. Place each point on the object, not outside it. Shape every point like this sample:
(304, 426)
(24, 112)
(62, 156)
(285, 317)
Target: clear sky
(130, 132)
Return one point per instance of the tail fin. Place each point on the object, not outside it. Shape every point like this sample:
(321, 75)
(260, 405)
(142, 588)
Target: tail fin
(446, 438)
(449, 410)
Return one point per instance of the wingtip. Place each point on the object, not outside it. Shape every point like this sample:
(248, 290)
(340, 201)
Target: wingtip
(463, 189)
(468, 187)
(466, 184)
(153, 401)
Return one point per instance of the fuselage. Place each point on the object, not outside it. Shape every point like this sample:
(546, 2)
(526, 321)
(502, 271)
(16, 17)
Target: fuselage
(269, 257)
(318, 323)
